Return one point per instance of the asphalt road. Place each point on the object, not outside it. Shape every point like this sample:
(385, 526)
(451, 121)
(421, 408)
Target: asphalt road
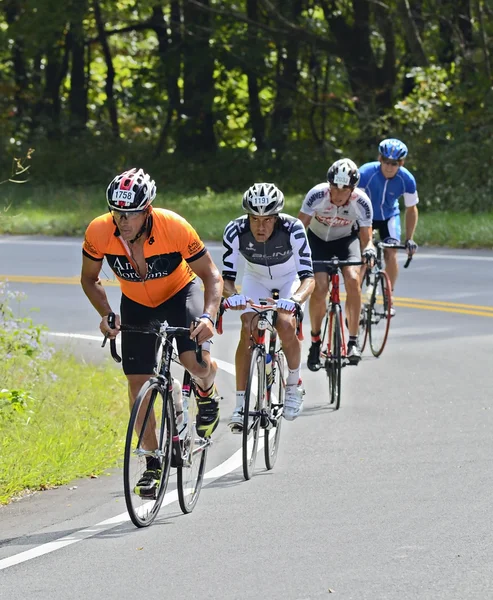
(388, 498)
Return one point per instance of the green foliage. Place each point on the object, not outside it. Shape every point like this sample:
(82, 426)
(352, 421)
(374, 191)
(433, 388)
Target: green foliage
(59, 418)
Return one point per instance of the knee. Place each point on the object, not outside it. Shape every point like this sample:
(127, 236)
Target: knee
(204, 371)
(352, 285)
(319, 292)
(285, 327)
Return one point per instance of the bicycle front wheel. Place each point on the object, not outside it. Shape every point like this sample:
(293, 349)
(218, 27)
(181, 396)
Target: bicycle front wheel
(194, 454)
(363, 318)
(254, 402)
(275, 405)
(149, 435)
(379, 313)
(333, 361)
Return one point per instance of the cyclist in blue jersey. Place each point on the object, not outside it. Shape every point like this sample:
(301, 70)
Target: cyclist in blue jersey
(385, 181)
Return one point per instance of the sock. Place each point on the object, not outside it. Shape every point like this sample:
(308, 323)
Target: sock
(240, 399)
(353, 339)
(293, 376)
(152, 463)
(206, 393)
(316, 337)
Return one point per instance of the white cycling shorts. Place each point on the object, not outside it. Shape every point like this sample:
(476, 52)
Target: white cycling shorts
(256, 288)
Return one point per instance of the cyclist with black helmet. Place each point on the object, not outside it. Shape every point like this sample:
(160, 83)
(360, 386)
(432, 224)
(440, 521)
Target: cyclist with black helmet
(275, 248)
(156, 256)
(385, 181)
(332, 211)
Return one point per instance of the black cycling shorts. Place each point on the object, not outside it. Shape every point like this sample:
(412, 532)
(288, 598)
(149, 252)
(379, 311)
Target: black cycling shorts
(346, 248)
(139, 349)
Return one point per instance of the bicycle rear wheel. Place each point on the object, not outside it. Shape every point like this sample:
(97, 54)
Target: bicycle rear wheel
(275, 404)
(254, 401)
(379, 313)
(194, 453)
(363, 319)
(333, 361)
(152, 416)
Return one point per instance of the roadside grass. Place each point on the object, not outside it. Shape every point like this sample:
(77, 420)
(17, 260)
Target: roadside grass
(68, 211)
(60, 418)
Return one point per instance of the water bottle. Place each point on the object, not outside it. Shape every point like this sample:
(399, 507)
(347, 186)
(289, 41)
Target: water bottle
(185, 398)
(268, 371)
(178, 402)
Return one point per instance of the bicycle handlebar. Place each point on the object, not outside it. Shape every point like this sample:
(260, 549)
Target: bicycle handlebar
(260, 308)
(154, 330)
(398, 247)
(335, 262)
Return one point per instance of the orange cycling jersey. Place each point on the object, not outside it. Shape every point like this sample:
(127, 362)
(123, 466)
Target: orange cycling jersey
(171, 244)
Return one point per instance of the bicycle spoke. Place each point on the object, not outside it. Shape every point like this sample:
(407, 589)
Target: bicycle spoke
(379, 313)
(151, 417)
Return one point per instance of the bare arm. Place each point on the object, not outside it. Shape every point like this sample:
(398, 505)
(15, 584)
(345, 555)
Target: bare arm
(306, 288)
(205, 268)
(366, 238)
(304, 218)
(91, 284)
(411, 221)
(229, 288)
(93, 289)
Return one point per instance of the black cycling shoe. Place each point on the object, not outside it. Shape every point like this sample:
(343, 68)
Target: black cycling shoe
(353, 353)
(208, 414)
(148, 484)
(313, 362)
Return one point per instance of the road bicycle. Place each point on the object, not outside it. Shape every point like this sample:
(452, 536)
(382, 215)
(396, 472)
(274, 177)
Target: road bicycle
(266, 383)
(154, 430)
(376, 311)
(333, 342)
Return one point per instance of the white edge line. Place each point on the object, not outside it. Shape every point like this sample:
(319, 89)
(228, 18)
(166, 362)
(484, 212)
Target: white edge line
(229, 465)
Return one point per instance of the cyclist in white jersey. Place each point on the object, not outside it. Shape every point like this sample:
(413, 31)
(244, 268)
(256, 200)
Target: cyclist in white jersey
(277, 255)
(332, 212)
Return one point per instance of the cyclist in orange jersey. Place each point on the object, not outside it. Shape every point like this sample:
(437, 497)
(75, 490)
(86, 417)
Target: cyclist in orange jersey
(156, 255)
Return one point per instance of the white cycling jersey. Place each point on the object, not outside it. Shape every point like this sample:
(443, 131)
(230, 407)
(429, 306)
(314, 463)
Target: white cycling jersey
(330, 222)
(286, 254)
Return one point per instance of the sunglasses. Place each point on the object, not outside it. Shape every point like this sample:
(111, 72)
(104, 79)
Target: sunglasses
(121, 214)
(388, 161)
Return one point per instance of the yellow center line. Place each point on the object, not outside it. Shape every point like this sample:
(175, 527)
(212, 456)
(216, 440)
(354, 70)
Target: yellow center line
(50, 280)
(418, 303)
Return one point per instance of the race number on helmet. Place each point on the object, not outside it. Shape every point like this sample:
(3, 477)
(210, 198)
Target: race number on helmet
(263, 199)
(131, 191)
(343, 173)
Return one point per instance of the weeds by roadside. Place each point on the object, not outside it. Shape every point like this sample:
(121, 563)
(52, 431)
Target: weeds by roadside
(59, 419)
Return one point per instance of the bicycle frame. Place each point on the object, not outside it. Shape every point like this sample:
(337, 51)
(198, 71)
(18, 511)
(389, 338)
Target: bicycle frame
(162, 371)
(334, 299)
(334, 266)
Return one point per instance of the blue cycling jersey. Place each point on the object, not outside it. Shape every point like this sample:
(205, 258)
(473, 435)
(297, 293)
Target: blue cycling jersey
(385, 193)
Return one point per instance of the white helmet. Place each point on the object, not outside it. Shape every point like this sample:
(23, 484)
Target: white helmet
(263, 199)
(131, 191)
(343, 173)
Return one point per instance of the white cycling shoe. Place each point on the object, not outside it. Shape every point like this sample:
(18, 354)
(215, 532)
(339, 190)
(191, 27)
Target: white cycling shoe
(236, 421)
(293, 401)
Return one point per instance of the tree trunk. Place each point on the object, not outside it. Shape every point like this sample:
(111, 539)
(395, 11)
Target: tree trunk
(78, 87)
(170, 65)
(287, 81)
(370, 85)
(257, 121)
(110, 71)
(13, 15)
(196, 131)
(411, 32)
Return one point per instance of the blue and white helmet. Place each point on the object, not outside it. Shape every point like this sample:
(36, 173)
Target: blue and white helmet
(263, 200)
(393, 148)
